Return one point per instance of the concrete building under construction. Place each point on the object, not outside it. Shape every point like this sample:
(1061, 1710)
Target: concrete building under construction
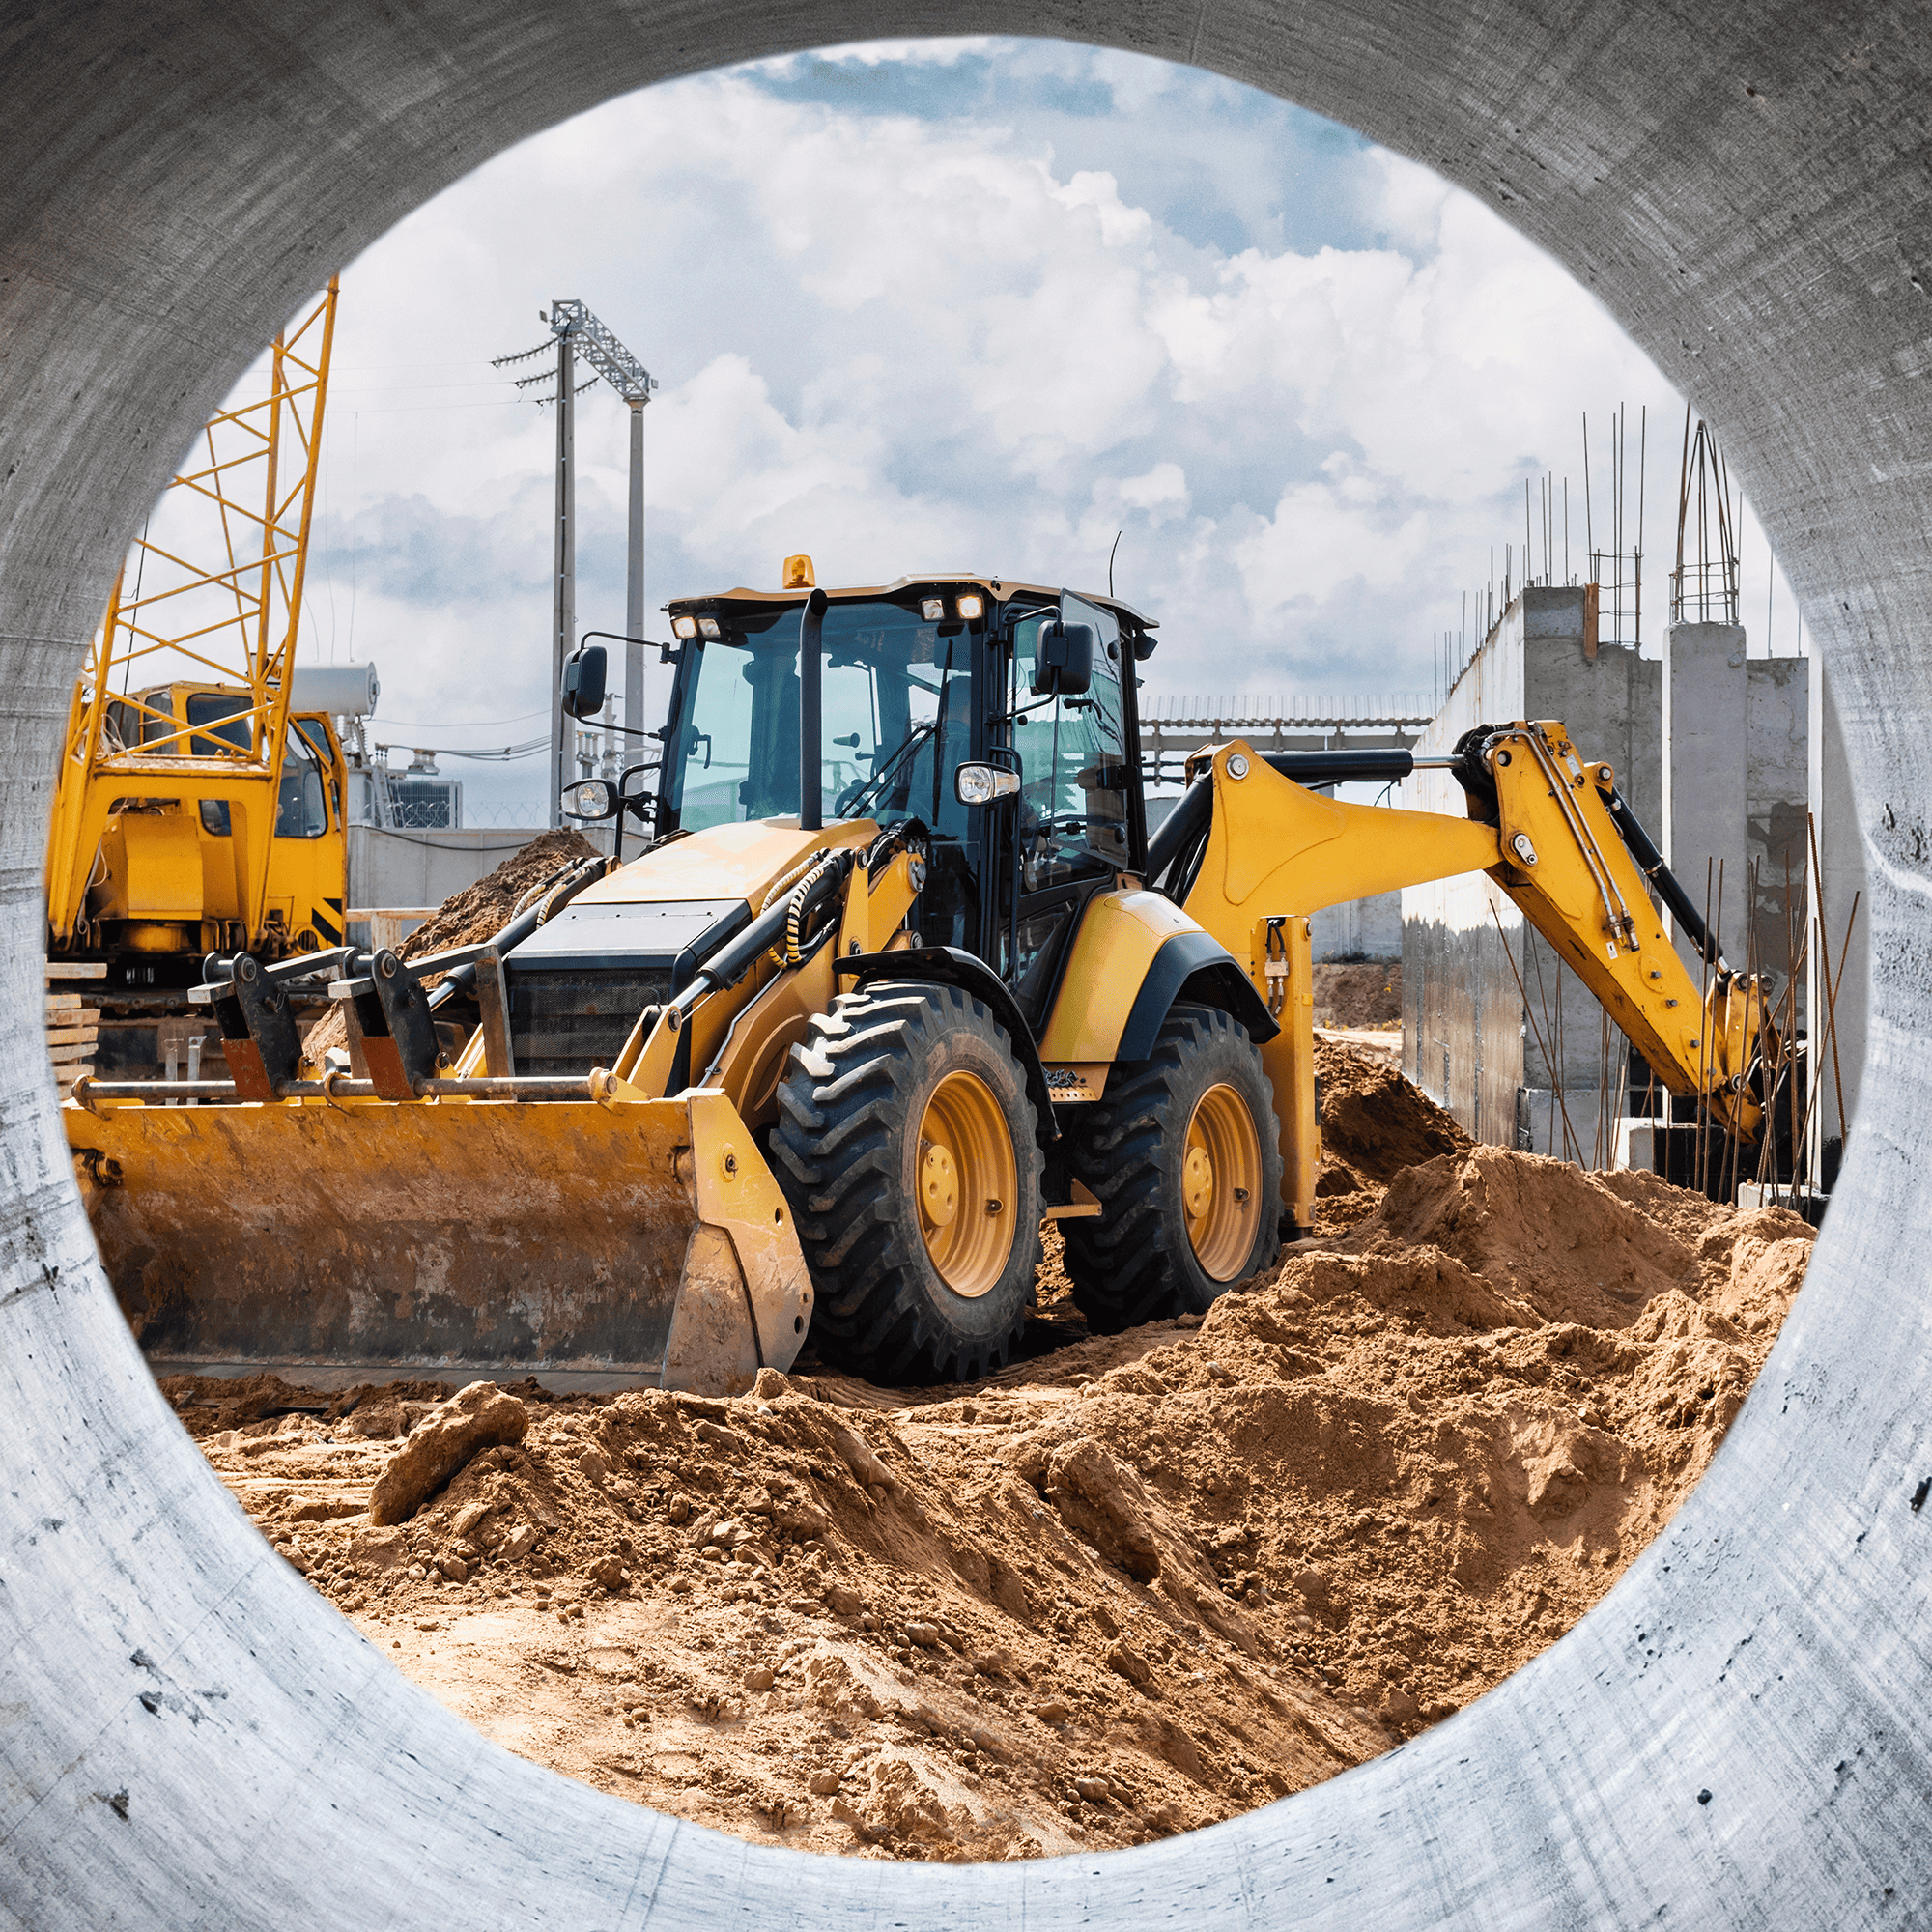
(1733, 760)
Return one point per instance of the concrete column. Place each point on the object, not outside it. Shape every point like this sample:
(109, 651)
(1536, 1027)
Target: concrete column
(1777, 736)
(1841, 862)
(1706, 770)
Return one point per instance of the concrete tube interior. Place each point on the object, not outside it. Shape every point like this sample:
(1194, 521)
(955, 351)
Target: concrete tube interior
(1738, 1735)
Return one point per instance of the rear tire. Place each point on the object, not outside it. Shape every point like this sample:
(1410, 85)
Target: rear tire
(907, 1147)
(1183, 1151)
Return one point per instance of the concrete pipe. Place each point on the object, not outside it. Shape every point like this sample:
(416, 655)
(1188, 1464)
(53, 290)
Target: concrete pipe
(1738, 1735)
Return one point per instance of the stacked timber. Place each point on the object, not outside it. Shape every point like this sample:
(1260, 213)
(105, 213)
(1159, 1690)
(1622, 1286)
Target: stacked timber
(73, 1028)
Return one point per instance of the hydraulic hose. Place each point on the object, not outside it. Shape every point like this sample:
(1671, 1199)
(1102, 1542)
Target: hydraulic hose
(1650, 862)
(767, 932)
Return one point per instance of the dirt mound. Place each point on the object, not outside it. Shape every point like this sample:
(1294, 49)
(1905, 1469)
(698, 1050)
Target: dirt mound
(1556, 1237)
(1366, 993)
(1133, 1585)
(484, 909)
(1374, 1124)
(477, 912)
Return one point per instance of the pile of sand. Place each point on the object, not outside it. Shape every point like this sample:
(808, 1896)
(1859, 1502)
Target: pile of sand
(481, 911)
(1127, 1587)
(1374, 1124)
(478, 911)
(1362, 993)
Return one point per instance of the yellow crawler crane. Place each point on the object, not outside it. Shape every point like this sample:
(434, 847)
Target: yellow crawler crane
(828, 1053)
(198, 807)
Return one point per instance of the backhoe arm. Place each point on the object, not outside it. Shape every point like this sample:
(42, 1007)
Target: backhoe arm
(1568, 863)
(1544, 824)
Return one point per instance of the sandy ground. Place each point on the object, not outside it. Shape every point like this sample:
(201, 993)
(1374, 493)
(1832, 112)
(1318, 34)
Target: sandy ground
(1132, 1584)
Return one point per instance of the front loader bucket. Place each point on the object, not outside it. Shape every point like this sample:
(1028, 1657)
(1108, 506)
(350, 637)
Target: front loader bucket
(606, 1243)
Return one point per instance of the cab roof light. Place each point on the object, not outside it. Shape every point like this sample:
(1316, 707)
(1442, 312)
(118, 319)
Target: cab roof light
(684, 626)
(972, 607)
(709, 627)
(933, 609)
(798, 573)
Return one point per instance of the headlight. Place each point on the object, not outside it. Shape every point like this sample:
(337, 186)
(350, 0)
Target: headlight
(932, 610)
(684, 626)
(972, 606)
(982, 784)
(709, 626)
(591, 798)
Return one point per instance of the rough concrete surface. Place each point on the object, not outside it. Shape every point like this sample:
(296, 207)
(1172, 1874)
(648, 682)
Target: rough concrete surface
(1738, 1735)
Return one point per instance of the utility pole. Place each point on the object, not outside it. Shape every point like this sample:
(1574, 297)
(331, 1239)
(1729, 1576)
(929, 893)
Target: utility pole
(563, 623)
(634, 382)
(576, 328)
(634, 583)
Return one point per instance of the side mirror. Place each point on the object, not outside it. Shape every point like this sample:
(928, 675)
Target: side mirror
(591, 798)
(583, 672)
(1064, 664)
(982, 784)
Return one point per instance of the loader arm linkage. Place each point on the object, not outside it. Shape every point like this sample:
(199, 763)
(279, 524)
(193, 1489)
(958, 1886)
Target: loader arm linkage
(442, 1211)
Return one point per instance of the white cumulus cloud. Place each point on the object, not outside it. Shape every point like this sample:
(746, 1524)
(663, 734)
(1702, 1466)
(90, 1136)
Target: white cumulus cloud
(951, 314)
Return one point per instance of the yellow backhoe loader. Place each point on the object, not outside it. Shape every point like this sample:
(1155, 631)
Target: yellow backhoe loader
(898, 976)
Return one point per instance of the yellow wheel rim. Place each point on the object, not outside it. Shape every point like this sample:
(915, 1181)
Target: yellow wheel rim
(1220, 1182)
(965, 1180)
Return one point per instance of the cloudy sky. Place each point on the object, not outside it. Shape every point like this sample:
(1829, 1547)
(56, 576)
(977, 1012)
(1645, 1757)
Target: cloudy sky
(966, 304)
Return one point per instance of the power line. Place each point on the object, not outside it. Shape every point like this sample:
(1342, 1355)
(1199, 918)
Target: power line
(493, 754)
(463, 724)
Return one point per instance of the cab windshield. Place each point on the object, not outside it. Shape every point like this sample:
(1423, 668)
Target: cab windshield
(897, 710)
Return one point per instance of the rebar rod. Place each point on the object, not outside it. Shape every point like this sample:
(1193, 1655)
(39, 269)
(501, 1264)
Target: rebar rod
(1524, 995)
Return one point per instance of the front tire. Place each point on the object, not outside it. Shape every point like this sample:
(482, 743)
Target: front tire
(1183, 1151)
(907, 1147)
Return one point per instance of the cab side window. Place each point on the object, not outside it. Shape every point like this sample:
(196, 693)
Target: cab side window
(1074, 773)
(231, 730)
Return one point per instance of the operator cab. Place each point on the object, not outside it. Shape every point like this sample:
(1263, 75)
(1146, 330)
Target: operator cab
(213, 720)
(920, 678)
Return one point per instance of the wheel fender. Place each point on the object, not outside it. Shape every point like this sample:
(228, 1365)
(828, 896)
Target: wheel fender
(1193, 968)
(949, 966)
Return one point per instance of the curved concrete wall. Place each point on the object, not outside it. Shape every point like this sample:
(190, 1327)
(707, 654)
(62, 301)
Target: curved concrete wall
(1738, 1736)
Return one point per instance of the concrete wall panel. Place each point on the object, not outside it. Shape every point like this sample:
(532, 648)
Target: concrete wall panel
(423, 869)
(1738, 1736)
(1705, 775)
(1367, 929)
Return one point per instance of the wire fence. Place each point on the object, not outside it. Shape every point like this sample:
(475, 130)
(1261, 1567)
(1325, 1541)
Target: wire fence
(1315, 712)
(533, 813)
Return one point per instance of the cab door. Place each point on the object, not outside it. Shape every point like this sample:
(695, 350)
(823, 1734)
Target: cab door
(308, 859)
(1072, 825)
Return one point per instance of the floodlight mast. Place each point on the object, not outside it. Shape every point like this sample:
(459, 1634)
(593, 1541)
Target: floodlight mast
(578, 331)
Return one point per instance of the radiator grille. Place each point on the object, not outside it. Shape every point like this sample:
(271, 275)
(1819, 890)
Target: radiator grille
(564, 1021)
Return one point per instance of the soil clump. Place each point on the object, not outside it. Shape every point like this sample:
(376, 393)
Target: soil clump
(1129, 1586)
(1375, 1124)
